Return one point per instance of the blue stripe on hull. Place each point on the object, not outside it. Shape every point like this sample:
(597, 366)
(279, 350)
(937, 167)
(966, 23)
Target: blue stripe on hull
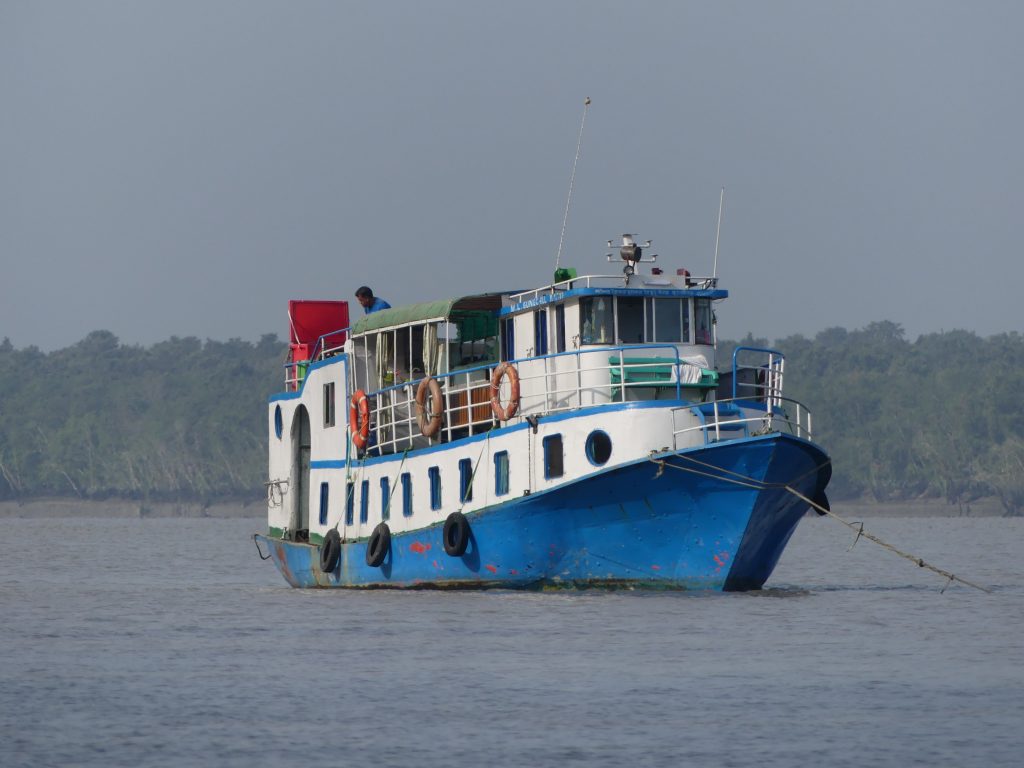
(688, 526)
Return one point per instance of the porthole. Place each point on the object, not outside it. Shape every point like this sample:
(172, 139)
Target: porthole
(599, 447)
(278, 422)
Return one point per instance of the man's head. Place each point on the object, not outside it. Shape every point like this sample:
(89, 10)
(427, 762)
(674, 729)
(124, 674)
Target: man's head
(365, 296)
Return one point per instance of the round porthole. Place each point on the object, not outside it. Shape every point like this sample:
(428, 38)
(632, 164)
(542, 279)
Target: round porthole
(278, 422)
(599, 447)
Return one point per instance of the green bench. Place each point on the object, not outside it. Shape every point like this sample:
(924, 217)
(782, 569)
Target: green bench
(655, 372)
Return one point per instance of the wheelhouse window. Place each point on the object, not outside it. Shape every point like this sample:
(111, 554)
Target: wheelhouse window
(631, 319)
(669, 321)
(554, 459)
(597, 320)
(329, 404)
(702, 322)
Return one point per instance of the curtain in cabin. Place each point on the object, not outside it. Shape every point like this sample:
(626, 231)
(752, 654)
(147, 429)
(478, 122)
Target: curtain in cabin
(431, 351)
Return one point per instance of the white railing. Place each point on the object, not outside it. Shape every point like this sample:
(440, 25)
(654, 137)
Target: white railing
(723, 419)
(548, 384)
(613, 281)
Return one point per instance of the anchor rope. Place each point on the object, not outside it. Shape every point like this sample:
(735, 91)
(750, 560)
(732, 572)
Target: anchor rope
(751, 482)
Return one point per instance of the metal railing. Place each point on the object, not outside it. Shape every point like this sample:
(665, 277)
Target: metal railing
(740, 415)
(548, 384)
(758, 380)
(610, 281)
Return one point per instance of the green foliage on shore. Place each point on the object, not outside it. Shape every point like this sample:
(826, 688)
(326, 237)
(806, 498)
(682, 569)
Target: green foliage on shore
(939, 417)
(182, 419)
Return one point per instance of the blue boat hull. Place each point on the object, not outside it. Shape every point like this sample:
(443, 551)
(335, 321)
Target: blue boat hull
(712, 518)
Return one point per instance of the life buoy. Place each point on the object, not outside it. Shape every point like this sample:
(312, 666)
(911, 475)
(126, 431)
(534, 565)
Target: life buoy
(378, 545)
(456, 534)
(359, 419)
(330, 551)
(430, 422)
(504, 413)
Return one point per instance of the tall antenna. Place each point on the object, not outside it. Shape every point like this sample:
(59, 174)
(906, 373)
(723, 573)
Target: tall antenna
(572, 181)
(718, 231)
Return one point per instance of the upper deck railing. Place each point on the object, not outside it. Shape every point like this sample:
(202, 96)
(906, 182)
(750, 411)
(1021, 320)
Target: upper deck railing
(615, 281)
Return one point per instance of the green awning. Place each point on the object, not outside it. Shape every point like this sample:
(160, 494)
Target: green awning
(428, 310)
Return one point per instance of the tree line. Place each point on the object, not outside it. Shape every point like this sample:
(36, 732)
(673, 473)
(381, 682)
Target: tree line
(184, 419)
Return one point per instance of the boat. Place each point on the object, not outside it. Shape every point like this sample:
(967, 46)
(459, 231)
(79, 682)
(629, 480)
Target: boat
(580, 434)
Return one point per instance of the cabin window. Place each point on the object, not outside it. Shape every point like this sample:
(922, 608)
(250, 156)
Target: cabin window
(406, 494)
(278, 422)
(501, 473)
(435, 487)
(702, 321)
(364, 502)
(466, 480)
(599, 447)
(631, 319)
(329, 404)
(508, 339)
(540, 332)
(560, 328)
(385, 499)
(668, 321)
(554, 459)
(324, 490)
(350, 503)
(472, 338)
(597, 320)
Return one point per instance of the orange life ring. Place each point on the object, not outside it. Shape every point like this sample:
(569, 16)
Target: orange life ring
(359, 419)
(504, 413)
(429, 423)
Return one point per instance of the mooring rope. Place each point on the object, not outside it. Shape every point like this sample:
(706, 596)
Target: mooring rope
(751, 482)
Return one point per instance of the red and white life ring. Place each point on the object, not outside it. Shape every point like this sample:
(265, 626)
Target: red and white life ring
(506, 412)
(359, 419)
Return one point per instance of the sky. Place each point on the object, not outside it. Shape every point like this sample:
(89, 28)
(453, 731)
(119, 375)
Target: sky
(185, 168)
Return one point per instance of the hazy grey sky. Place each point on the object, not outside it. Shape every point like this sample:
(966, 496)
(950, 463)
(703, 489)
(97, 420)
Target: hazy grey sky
(184, 168)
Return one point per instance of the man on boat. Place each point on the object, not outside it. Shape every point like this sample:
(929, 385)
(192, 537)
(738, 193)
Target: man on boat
(370, 302)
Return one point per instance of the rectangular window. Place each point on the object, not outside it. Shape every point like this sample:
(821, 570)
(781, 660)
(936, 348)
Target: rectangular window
(324, 490)
(364, 502)
(466, 480)
(406, 494)
(702, 321)
(508, 340)
(501, 473)
(631, 319)
(560, 328)
(540, 332)
(597, 320)
(329, 404)
(350, 503)
(435, 487)
(553, 458)
(385, 498)
(668, 320)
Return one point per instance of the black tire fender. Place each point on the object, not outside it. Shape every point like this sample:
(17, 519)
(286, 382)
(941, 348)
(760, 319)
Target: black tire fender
(330, 551)
(456, 534)
(378, 545)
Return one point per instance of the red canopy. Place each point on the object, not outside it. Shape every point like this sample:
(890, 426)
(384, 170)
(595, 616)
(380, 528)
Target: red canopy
(309, 320)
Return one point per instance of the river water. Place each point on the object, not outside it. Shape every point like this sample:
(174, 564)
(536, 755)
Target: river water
(169, 643)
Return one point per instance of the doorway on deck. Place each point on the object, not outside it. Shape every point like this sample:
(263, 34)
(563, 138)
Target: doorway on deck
(300, 475)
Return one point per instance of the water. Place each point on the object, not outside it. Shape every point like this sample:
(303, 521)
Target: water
(169, 643)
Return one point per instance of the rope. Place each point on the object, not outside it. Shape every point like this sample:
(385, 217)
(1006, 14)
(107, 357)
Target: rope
(472, 477)
(572, 181)
(750, 482)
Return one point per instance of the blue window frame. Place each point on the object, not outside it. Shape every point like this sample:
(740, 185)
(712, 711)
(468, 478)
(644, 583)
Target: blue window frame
(385, 498)
(560, 328)
(508, 340)
(554, 458)
(406, 494)
(350, 503)
(324, 491)
(501, 473)
(540, 332)
(364, 502)
(435, 487)
(466, 480)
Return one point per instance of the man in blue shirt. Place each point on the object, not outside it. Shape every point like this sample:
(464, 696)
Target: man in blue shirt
(370, 302)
